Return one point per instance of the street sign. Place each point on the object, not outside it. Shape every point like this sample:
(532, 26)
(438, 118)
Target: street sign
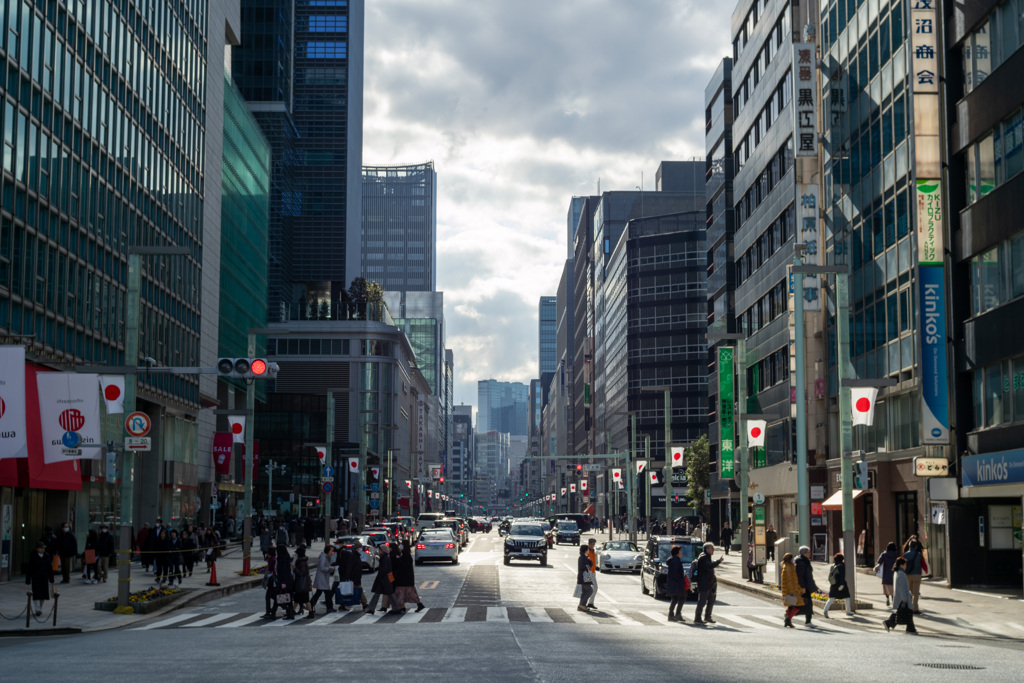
(759, 515)
(328, 472)
(375, 487)
(375, 496)
(215, 505)
(374, 504)
(213, 492)
(137, 423)
(327, 479)
(71, 451)
(707, 495)
(328, 487)
(592, 468)
(71, 439)
(758, 499)
(138, 443)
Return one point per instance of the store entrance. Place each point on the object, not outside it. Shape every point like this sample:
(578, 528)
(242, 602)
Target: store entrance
(906, 516)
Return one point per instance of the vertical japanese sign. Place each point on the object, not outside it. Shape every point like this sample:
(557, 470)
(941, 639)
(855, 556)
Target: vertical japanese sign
(806, 98)
(13, 438)
(807, 224)
(727, 461)
(421, 435)
(930, 233)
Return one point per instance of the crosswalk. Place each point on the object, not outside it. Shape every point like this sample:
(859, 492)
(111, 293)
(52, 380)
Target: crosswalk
(502, 615)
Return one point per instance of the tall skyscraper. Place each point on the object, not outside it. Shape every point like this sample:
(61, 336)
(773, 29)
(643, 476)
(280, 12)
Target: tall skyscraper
(399, 241)
(547, 323)
(502, 407)
(300, 65)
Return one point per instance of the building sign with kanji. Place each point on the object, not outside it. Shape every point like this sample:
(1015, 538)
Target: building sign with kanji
(807, 198)
(924, 45)
(805, 97)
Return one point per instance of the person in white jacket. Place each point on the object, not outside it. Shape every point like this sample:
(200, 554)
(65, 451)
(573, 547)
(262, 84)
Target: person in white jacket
(323, 580)
(902, 599)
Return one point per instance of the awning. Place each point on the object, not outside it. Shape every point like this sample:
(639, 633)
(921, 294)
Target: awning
(589, 510)
(835, 501)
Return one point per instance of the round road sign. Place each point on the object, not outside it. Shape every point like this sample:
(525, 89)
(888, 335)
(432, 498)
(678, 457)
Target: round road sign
(137, 424)
(759, 499)
(328, 487)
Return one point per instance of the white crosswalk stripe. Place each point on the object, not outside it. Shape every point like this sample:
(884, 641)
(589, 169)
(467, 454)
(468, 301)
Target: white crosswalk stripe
(538, 615)
(167, 622)
(455, 614)
(242, 622)
(328, 619)
(209, 620)
(756, 625)
(498, 614)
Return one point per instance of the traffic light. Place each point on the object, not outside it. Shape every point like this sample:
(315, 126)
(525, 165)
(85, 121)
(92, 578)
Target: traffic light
(860, 475)
(247, 368)
(579, 468)
(442, 480)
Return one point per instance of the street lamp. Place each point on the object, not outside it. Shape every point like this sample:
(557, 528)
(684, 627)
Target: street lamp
(631, 474)
(667, 390)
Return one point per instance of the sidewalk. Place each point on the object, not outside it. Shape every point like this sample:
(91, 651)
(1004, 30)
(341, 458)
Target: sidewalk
(76, 611)
(944, 611)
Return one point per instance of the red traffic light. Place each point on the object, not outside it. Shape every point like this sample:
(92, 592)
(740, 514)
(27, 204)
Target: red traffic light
(442, 480)
(258, 367)
(579, 467)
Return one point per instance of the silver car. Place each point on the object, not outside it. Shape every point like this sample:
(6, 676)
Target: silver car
(619, 556)
(437, 544)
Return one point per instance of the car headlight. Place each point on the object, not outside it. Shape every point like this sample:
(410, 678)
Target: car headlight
(663, 570)
(638, 558)
(606, 557)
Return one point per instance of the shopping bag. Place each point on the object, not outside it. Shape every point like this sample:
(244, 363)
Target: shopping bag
(56, 563)
(879, 571)
(578, 593)
(789, 600)
(90, 556)
(284, 598)
(346, 588)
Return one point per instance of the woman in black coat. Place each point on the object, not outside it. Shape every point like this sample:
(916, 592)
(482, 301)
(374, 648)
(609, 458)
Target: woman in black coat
(405, 580)
(838, 590)
(40, 575)
(285, 584)
(350, 568)
(382, 585)
(160, 558)
(675, 585)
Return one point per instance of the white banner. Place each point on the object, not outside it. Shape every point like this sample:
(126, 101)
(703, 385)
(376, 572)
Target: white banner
(237, 423)
(69, 412)
(321, 453)
(755, 432)
(112, 387)
(13, 439)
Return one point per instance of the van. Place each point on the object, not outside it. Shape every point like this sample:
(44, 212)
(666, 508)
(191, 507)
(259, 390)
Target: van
(426, 520)
(582, 521)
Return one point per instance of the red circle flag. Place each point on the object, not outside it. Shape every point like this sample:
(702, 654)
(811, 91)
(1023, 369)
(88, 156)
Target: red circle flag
(863, 404)
(237, 428)
(755, 432)
(112, 392)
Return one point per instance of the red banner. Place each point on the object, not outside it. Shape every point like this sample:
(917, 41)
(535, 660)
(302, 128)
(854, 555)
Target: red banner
(222, 446)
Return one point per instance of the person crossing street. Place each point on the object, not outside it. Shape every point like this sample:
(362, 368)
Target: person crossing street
(707, 584)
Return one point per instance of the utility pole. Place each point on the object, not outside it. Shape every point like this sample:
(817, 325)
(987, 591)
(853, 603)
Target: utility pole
(803, 500)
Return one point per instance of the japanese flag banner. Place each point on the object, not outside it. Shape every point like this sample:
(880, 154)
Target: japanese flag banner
(572, 488)
(375, 472)
(353, 465)
(640, 465)
(237, 424)
(755, 432)
(621, 485)
(563, 490)
(583, 485)
(321, 453)
(112, 387)
(862, 401)
(408, 483)
(654, 477)
(617, 475)
(677, 457)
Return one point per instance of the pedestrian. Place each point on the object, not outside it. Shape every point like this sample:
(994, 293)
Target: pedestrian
(726, 536)
(264, 540)
(592, 556)
(770, 537)
(805, 577)
(188, 552)
(384, 583)
(282, 535)
(144, 542)
(270, 581)
(914, 569)
(883, 569)
(322, 581)
(350, 568)
(285, 585)
(792, 596)
(174, 558)
(707, 584)
(89, 557)
(675, 585)
(902, 599)
(212, 551)
(302, 582)
(584, 579)
(67, 548)
(837, 589)
(105, 552)
(405, 580)
(159, 552)
(40, 576)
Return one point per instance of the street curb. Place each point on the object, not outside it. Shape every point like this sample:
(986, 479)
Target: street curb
(765, 592)
(27, 632)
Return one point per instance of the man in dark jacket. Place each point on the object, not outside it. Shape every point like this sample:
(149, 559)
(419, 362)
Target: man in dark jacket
(382, 585)
(726, 537)
(40, 576)
(805, 576)
(350, 568)
(707, 584)
(67, 547)
(675, 585)
(104, 552)
(770, 536)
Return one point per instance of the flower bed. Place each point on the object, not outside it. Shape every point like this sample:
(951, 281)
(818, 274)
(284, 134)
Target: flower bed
(257, 571)
(144, 601)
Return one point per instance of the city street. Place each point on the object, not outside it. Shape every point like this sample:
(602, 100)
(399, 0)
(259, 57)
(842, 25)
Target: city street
(491, 622)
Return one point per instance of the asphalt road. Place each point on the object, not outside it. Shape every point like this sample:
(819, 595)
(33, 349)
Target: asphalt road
(488, 622)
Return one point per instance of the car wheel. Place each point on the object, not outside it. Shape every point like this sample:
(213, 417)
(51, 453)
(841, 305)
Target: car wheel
(543, 560)
(506, 560)
(455, 560)
(643, 586)
(419, 561)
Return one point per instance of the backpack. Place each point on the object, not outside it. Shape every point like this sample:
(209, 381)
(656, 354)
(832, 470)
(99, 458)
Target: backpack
(833, 574)
(693, 569)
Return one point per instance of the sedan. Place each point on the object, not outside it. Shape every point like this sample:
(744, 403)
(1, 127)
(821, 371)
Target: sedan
(619, 556)
(362, 547)
(437, 544)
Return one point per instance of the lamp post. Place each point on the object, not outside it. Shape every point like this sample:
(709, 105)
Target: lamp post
(631, 470)
(667, 409)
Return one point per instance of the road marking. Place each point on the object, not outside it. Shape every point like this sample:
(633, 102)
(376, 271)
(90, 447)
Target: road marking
(455, 614)
(428, 585)
(369, 618)
(282, 622)
(625, 619)
(656, 616)
(607, 597)
(210, 620)
(167, 622)
(1017, 626)
(243, 621)
(412, 617)
(757, 626)
(328, 619)
(537, 614)
(497, 614)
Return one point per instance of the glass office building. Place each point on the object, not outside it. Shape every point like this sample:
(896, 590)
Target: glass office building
(503, 407)
(547, 322)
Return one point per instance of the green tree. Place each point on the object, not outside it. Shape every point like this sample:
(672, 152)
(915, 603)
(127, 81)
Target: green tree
(363, 292)
(697, 472)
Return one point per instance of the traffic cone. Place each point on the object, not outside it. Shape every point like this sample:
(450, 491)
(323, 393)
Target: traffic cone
(213, 576)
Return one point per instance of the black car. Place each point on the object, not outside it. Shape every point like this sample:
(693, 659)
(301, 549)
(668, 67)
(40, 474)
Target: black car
(654, 569)
(566, 531)
(526, 541)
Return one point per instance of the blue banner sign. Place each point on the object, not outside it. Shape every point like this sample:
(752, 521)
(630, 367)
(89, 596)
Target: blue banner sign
(934, 374)
(1006, 467)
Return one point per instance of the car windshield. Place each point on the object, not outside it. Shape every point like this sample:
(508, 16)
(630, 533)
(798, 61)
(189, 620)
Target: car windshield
(620, 545)
(567, 526)
(526, 530)
(546, 526)
(687, 551)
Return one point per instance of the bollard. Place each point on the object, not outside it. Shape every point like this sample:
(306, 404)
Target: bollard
(56, 596)
(28, 610)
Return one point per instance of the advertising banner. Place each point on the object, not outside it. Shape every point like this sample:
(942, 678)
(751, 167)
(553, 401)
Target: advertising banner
(805, 96)
(13, 439)
(69, 413)
(933, 366)
(1005, 467)
(727, 463)
(222, 446)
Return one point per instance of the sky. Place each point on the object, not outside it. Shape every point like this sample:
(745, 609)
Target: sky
(522, 105)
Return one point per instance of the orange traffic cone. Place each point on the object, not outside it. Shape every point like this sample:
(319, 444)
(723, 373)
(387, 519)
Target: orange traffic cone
(213, 576)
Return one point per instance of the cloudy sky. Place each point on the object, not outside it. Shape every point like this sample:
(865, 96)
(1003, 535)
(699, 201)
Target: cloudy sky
(522, 105)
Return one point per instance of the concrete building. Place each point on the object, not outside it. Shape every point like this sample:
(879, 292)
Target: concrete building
(491, 452)
(502, 407)
(547, 319)
(399, 236)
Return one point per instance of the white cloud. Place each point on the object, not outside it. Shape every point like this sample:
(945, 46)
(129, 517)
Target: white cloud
(521, 106)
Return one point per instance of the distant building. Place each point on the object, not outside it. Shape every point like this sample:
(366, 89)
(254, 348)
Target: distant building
(547, 323)
(503, 407)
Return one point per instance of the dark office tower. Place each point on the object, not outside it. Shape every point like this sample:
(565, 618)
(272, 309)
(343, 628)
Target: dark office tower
(582, 428)
(547, 321)
(399, 240)
(300, 65)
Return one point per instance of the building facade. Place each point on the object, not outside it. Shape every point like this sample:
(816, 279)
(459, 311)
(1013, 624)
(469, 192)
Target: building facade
(502, 407)
(399, 236)
(546, 343)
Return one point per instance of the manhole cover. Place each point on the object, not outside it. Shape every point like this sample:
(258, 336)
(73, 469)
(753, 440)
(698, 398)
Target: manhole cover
(958, 667)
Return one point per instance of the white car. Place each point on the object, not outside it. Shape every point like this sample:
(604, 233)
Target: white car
(437, 544)
(365, 549)
(619, 556)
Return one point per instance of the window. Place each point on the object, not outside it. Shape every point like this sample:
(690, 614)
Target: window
(326, 50)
